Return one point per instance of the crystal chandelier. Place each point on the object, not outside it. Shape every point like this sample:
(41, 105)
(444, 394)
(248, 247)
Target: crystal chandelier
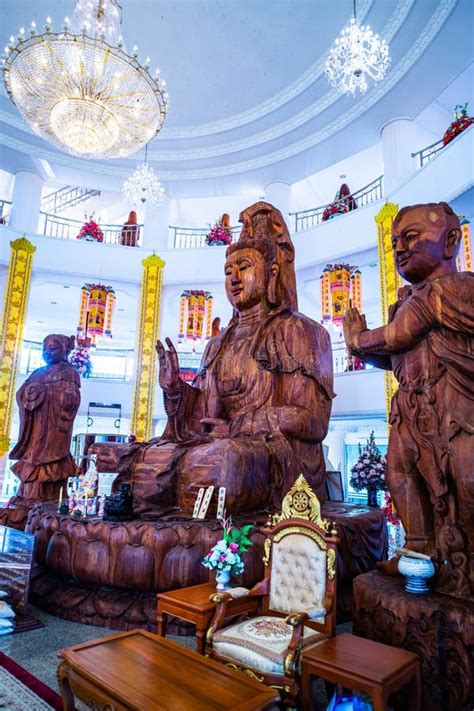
(79, 88)
(143, 187)
(355, 55)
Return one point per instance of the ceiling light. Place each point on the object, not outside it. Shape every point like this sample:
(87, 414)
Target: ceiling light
(356, 55)
(143, 187)
(78, 87)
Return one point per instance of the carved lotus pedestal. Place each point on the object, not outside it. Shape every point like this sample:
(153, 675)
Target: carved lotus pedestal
(108, 574)
(439, 628)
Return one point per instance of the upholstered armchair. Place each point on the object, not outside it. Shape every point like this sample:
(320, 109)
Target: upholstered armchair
(296, 598)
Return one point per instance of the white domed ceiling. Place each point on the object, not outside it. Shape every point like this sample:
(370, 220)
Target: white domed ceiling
(249, 102)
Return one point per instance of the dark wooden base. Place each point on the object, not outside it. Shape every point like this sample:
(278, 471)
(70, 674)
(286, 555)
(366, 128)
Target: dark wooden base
(439, 628)
(108, 574)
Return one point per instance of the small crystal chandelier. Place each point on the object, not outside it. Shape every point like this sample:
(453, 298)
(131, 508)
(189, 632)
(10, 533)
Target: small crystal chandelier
(143, 187)
(356, 54)
(78, 87)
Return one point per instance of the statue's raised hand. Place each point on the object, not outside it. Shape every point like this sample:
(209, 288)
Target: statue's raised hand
(353, 324)
(169, 367)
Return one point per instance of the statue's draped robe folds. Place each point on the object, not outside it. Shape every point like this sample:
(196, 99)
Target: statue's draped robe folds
(48, 402)
(272, 383)
(430, 339)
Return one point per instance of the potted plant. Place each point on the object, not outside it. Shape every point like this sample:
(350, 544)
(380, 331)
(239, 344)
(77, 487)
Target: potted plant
(460, 123)
(90, 231)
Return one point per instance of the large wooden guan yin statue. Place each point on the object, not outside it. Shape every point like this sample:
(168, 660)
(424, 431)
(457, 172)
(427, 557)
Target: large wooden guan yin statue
(428, 343)
(48, 402)
(258, 410)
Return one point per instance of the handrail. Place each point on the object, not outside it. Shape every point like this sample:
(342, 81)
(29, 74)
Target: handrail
(426, 154)
(66, 228)
(66, 197)
(305, 219)
(195, 237)
(3, 213)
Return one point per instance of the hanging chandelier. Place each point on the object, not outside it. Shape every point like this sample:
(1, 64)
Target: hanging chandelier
(79, 88)
(143, 187)
(356, 55)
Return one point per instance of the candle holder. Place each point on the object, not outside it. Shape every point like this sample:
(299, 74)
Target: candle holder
(63, 509)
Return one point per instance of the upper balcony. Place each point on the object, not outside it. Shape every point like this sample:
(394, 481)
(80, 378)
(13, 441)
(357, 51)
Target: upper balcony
(443, 175)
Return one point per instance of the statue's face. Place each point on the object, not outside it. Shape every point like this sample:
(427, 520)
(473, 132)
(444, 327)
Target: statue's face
(53, 351)
(245, 278)
(419, 243)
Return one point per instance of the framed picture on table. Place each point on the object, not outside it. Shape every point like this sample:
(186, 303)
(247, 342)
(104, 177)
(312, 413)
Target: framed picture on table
(334, 487)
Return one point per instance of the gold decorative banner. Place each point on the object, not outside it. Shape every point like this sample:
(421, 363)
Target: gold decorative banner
(390, 281)
(147, 334)
(11, 338)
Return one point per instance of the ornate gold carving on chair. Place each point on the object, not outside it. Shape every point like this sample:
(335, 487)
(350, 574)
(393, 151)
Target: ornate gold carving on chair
(302, 502)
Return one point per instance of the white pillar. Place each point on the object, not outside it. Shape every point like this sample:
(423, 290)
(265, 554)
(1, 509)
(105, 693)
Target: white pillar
(26, 201)
(398, 143)
(278, 194)
(337, 453)
(155, 225)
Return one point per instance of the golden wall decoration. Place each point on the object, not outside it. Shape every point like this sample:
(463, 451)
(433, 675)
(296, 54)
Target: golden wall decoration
(390, 281)
(11, 335)
(146, 359)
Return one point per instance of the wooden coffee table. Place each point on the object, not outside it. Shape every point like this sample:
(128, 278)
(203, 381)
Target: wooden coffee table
(359, 663)
(192, 604)
(139, 671)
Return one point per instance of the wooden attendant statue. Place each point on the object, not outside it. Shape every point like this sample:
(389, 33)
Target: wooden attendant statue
(48, 402)
(428, 343)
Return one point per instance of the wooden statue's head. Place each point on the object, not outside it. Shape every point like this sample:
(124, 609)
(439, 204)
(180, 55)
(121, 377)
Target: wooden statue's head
(56, 348)
(425, 241)
(262, 221)
(251, 273)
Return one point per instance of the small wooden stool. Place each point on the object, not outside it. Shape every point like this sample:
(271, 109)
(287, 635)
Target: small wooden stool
(358, 663)
(192, 604)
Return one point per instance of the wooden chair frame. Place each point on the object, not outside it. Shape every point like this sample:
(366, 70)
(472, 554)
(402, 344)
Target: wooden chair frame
(306, 521)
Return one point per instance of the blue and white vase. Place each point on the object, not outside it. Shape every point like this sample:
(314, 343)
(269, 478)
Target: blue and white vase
(417, 572)
(223, 580)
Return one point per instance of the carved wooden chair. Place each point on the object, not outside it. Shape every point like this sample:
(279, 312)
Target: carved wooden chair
(297, 597)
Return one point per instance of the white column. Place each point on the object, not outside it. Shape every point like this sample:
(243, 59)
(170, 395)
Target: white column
(398, 143)
(278, 194)
(155, 225)
(26, 201)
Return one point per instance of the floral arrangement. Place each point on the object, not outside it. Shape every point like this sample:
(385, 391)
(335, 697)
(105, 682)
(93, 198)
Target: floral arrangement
(219, 234)
(460, 123)
(369, 470)
(90, 231)
(389, 511)
(337, 207)
(80, 360)
(225, 554)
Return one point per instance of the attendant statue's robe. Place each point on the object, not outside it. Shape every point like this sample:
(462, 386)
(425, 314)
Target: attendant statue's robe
(429, 345)
(272, 386)
(48, 402)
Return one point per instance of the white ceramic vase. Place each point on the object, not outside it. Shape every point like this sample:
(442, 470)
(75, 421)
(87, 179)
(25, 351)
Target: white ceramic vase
(417, 572)
(223, 580)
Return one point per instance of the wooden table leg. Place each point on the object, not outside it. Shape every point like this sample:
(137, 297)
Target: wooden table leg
(161, 624)
(64, 687)
(413, 690)
(378, 699)
(201, 639)
(305, 687)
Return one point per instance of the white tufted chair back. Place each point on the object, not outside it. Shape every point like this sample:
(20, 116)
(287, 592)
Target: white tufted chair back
(298, 574)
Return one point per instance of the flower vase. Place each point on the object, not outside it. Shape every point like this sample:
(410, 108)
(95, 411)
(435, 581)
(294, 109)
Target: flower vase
(372, 496)
(223, 580)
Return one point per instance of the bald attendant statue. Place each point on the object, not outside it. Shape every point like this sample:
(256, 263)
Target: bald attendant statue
(428, 343)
